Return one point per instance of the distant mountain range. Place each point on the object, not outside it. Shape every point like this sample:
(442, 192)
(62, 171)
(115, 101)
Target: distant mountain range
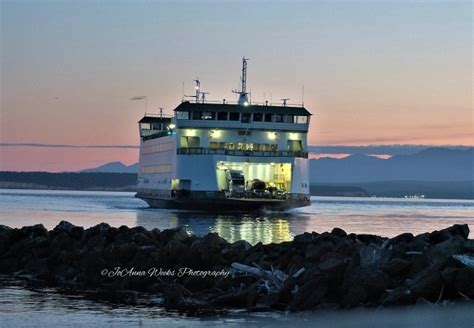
(113, 167)
(432, 164)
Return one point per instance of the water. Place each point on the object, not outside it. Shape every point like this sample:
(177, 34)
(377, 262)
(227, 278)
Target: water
(24, 305)
(28, 306)
(383, 216)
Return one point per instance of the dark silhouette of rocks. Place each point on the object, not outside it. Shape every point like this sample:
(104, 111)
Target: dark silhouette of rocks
(328, 270)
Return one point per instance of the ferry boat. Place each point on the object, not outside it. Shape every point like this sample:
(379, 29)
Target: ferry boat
(224, 156)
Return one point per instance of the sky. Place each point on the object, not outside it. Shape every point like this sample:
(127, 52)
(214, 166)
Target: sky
(374, 72)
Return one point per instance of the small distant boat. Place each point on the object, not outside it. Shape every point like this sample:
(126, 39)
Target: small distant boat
(224, 155)
(415, 196)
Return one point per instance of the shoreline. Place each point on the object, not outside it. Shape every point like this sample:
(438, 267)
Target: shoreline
(331, 270)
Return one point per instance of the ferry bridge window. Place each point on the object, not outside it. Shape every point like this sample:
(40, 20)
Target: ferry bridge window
(234, 116)
(189, 142)
(265, 147)
(256, 146)
(213, 145)
(231, 146)
(222, 145)
(208, 115)
(245, 118)
(145, 126)
(249, 147)
(289, 119)
(278, 118)
(268, 117)
(274, 147)
(257, 117)
(182, 115)
(222, 116)
(157, 126)
(294, 145)
(197, 115)
(240, 146)
(301, 119)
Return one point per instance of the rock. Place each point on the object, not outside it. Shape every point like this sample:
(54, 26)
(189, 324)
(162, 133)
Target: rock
(427, 284)
(373, 256)
(445, 249)
(396, 267)
(399, 296)
(461, 230)
(178, 234)
(142, 239)
(402, 238)
(37, 230)
(315, 251)
(465, 282)
(305, 238)
(355, 296)
(338, 232)
(332, 265)
(310, 295)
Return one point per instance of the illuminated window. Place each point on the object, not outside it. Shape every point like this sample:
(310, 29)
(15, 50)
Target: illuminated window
(265, 147)
(189, 142)
(222, 145)
(274, 147)
(256, 146)
(301, 119)
(213, 145)
(208, 115)
(240, 146)
(294, 145)
(231, 146)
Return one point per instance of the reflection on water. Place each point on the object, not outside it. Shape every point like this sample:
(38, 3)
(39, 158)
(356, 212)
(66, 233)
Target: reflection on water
(387, 217)
(253, 228)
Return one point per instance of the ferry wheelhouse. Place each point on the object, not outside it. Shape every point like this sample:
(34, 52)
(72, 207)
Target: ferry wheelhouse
(225, 156)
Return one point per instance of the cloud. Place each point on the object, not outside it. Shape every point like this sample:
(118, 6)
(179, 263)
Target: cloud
(67, 146)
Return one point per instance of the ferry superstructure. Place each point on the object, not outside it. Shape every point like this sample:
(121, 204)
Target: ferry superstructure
(225, 156)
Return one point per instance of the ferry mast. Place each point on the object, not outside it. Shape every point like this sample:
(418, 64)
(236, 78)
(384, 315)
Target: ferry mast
(243, 95)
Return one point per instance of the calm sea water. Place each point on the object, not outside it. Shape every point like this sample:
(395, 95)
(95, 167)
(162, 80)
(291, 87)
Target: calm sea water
(26, 306)
(382, 216)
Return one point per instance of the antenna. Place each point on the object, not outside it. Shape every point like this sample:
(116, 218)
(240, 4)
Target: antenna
(284, 101)
(243, 99)
(197, 87)
(203, 96)
(302, 96)
(161, 112)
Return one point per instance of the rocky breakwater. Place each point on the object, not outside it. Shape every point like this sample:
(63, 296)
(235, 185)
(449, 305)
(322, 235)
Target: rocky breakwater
(332, 269)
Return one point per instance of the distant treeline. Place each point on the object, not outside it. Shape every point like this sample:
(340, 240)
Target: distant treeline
(73, 181)
(127, 182)
(345, 191)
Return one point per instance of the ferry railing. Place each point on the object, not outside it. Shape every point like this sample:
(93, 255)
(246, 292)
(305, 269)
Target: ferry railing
(250, 153)
(253, 103)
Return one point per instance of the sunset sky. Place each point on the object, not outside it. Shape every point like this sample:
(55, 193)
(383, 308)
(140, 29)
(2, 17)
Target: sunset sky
(387, 72)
